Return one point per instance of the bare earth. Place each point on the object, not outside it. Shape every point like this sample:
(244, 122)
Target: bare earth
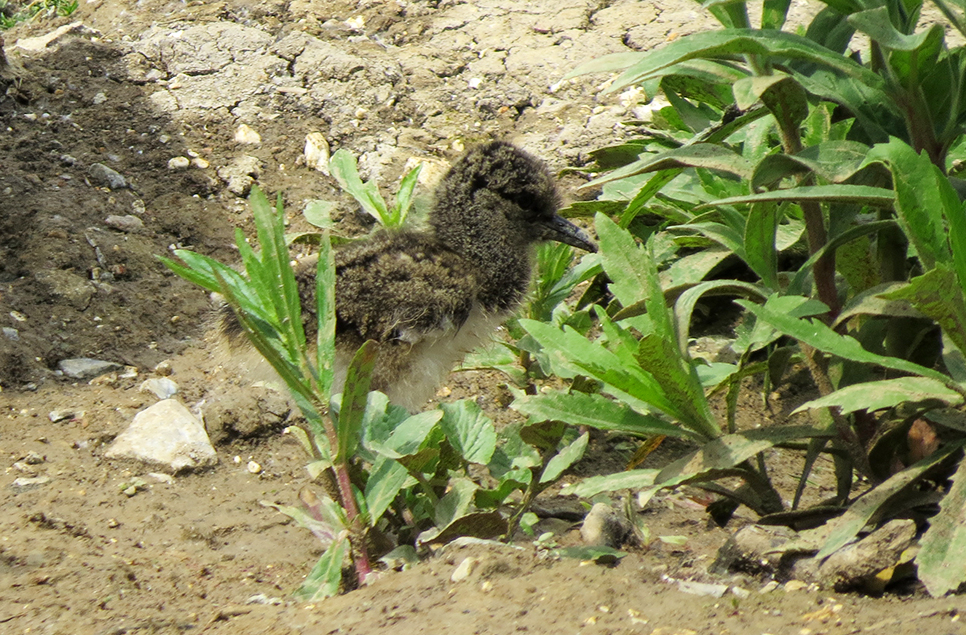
(137, 84)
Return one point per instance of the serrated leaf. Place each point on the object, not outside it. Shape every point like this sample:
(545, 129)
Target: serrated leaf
(857, 194)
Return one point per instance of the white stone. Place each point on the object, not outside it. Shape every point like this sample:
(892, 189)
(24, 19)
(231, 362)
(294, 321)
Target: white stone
(166, 434)
(161, 387)
(245, 134)
(178, 163)
(317, 152)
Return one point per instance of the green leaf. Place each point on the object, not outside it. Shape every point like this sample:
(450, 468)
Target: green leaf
(318, 213)
(781, 94)
(606, 64)
(923, 196)
(629, 480)
(386, 479)
(583, 409)
(451, 507)
(731, 449)
(343, 167)
(773, 13)
(888, 393)
(760, 251)
(941, 565)
(596, 553)
(834, 161)
(818, 335)
(408, 436)
(938, 294)
(404, 197)
(469, 431)
(354, 398)
(858, 194)
(715, 44)
(697, 155)
(877, 24)
(624, 261)
(867, 509)
(325, 577)
(567, 456)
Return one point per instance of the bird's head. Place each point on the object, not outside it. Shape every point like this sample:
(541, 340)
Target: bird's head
(498, 192)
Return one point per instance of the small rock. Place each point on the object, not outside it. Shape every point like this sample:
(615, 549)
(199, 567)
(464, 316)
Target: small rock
(112, 523)
(85, 367)
(130, 372)
(165, 434)
(464, 569)
(163, 369)
(201, 164)
(62, 415)
(162, 387)
(22, 467)
(605, 526)
(740, 593)
(74, 289)
(167, 479)
(11, 334)
(178, 163)
(39, 43)
(317, 152)
(100, 174)
(244, 134)
(702, 588)
(26, 483)
(127, 223)
(34, 458)
(794, 585)
(99, 99)
(254, 468)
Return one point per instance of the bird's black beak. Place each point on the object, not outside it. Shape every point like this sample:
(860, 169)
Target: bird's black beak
(562, 230)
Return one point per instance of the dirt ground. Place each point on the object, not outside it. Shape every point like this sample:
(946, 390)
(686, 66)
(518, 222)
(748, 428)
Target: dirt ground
(133, 85)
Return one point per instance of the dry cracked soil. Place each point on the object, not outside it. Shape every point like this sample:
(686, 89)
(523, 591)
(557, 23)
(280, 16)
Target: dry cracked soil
(132, 85)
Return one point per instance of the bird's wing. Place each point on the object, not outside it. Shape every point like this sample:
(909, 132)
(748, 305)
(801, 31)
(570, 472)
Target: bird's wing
(401, 287)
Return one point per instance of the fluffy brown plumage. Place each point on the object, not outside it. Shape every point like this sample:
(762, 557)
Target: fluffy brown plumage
(429, 297)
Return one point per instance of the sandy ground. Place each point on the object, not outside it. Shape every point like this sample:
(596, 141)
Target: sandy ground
(135, 85)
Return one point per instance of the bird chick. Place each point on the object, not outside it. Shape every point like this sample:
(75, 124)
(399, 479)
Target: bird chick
(429, 297)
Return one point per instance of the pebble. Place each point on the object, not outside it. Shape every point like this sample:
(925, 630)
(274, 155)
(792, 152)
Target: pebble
(254, 468)
(127, 223)
(11, 334)
(178, 163)
(25, 483)
(464, 569)
(167, 479)
(161, 387)
(64, 415)
(137, 206)
(201, 164)
(702, 588)
(240, 174)
(317, 152)
(244, 134)
(261, 598)
(163, 369)
(85, 367)
(34, 458)
(99, 99)
(100, 174)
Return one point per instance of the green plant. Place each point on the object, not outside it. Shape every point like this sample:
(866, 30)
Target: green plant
(342, 165)
(821, 173)
(11, 15)
(392, 480)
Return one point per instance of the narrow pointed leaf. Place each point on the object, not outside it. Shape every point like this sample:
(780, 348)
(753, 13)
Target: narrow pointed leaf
(858, 194)
(354, 397)
(941, 565)
(888, 393)
(386, 480)
(567, 456)
(325, 577)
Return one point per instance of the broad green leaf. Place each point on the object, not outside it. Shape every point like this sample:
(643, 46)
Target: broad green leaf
(923, 196)
(684, 307)
(888, 393)
(868, 508)
(713, 44)
(817, 335)
(624, 261)
(631, 479)
(353, 404)
(596, 553)
(566, 457)
(407, 437)
(773, 13)
(858, 194)
(583, 409)
(729, 450)
(455, 504)
(938, 294)
(781, 94)
(873, 302)
(318, 213)
(760, 251)
(692, 269)
(877, 24)
(343, 167)
(469, 431)
(325, 577)
(834, 161)
(697, 155)
(941, 565)
(386, 479)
